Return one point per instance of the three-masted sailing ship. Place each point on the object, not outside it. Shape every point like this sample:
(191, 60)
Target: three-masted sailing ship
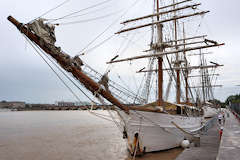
(147, 127)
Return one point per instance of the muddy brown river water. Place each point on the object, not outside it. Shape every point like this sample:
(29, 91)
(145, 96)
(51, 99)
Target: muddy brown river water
(64, 135)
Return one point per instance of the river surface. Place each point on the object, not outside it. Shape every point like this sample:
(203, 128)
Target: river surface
(64, 135)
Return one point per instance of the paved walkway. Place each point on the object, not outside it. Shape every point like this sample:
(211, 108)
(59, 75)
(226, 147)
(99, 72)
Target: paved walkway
(230, 144)
(208, 149)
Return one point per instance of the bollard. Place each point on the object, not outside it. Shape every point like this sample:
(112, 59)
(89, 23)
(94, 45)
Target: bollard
(220, 132)
(196, 140)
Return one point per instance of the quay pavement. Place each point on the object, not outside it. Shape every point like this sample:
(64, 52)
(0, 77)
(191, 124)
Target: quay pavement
(230, 144)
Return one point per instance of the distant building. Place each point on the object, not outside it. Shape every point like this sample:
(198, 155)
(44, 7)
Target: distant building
(13, 104)
(65, 104)
(82, 103)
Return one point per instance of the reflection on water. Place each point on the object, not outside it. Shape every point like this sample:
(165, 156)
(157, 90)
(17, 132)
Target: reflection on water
(61, 135)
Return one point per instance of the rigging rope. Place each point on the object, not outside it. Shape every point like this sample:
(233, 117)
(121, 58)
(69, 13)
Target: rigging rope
(88, 20)
(108, 27)
(117, 54)
(139, 89)
(66, 75)
(93, 6)
(98, 115)
(52, 69)
(50, 10)
(110, 66)
(96, 46)
(90, 12)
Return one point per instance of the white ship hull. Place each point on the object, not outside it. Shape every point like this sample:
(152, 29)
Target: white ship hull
(156, 131)
(209, 111)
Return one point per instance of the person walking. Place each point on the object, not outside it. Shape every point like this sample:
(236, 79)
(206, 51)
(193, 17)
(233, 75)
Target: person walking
(220, 118)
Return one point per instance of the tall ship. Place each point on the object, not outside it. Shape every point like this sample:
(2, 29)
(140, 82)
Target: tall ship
(148, 118)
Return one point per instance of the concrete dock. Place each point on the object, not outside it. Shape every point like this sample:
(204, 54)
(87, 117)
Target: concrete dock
(212, 148)
(230, 144)
(208, 150)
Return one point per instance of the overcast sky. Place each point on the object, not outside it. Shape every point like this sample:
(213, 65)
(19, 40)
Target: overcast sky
(25, 77)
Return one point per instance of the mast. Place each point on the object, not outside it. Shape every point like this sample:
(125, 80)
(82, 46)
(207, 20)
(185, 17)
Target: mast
(177, 63)
(186, 71)
(160, 59)
(160, 46)
(203, 76)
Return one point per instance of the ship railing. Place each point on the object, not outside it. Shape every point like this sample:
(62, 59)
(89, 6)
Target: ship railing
(208, 125)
